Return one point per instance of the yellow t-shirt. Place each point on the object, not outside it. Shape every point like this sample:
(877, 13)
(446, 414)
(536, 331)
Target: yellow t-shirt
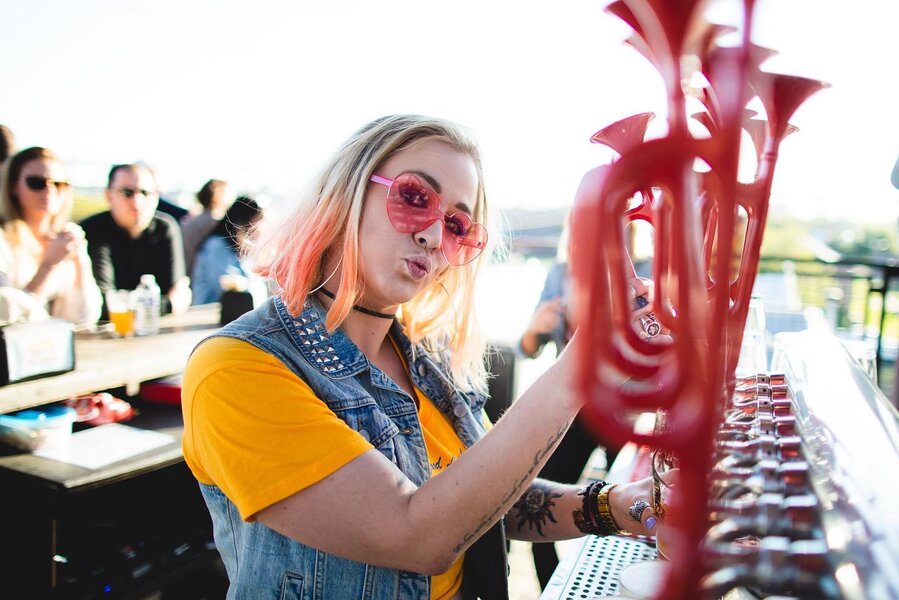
(260, 452)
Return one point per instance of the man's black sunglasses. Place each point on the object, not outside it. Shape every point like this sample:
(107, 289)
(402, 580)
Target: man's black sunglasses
(130, 193)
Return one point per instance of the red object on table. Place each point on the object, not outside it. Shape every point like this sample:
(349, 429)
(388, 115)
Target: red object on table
(100, 409)
(162, 391)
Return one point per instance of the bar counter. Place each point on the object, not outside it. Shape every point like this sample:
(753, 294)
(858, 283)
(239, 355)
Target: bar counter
(801, 495)
(104, 362)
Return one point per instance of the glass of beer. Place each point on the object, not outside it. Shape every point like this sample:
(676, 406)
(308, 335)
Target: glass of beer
(120, 306)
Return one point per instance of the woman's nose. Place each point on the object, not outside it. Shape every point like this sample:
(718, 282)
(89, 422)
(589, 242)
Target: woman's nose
(431, 236)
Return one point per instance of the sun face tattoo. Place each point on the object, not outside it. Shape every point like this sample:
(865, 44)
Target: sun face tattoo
(535, 507)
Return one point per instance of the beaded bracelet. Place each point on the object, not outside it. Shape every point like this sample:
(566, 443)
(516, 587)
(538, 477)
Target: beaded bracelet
(590, 519)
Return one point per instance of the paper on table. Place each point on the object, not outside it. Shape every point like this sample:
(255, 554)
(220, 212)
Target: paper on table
(106, 444)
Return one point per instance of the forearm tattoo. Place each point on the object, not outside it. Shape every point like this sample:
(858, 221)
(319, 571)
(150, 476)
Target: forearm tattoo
(534, 508)
(491, 517)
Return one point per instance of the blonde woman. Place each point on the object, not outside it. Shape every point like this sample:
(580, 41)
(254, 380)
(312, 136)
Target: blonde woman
(40, 251)
(337, 431)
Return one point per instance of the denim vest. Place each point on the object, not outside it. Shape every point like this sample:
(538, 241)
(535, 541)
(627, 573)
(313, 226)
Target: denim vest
(262, 563)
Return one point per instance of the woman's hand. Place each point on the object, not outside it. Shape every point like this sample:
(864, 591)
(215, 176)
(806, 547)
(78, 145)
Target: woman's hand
(60, 246)
(547, 317)
(644, 293)
(629, 500)
(644, 317)
(180, 296)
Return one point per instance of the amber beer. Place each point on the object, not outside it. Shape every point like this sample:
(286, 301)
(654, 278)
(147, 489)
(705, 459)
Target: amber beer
(120, 306)
(123, 322)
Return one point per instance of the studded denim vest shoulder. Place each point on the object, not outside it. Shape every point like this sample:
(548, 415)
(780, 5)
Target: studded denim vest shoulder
(262, 563)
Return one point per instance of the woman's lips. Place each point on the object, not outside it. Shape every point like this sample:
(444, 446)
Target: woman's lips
(418, 267)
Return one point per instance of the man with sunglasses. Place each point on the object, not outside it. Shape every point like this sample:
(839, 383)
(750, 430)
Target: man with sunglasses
(133, 239)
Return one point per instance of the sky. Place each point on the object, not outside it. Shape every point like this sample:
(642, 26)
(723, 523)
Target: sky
(260, 93)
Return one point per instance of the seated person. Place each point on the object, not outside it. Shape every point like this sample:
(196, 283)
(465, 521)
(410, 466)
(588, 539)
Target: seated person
(219, 254)
(215, 197)
(40, 251)
(132, 239)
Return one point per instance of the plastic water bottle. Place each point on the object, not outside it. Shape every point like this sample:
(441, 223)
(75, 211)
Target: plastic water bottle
(146, 306)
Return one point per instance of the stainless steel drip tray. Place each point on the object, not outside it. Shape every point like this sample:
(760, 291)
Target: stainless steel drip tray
(596, 568)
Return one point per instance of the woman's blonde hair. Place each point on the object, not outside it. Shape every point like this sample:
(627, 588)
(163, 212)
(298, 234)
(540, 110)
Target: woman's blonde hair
(442, 316)
(10, 206)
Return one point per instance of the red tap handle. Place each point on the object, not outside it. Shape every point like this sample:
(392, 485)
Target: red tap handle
(702, 293)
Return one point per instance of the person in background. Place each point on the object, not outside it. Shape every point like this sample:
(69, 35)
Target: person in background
(132, 239)
(215, 197)
(7, 145)
(337, 431)
(173, 210)
(41, 252)
(894, 179)
(219, 253)
(894, 176)
(550, 323)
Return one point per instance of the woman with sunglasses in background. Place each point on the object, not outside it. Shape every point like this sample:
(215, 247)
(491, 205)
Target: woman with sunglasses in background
(41, 252)
(337, 430)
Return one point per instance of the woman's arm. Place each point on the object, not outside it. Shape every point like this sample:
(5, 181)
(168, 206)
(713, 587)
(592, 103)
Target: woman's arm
(370, 512)
(80, 301)
(544, 513)
(548, 313)
(547, 317)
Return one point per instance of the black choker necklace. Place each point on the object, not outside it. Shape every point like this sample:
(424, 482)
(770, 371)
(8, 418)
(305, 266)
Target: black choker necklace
(361, 309)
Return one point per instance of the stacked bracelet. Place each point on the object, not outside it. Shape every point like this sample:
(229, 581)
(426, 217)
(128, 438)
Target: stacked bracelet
(605, 510)
(595, 516)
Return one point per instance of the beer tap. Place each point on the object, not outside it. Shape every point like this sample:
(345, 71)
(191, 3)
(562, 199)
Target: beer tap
(770, 514)
(776, 565)
(766, 476)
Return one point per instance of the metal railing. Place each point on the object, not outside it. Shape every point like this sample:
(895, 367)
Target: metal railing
(851, 291)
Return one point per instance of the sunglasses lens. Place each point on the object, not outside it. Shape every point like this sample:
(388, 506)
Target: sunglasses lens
(463, 239)
(410, 205)
(36, 183)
